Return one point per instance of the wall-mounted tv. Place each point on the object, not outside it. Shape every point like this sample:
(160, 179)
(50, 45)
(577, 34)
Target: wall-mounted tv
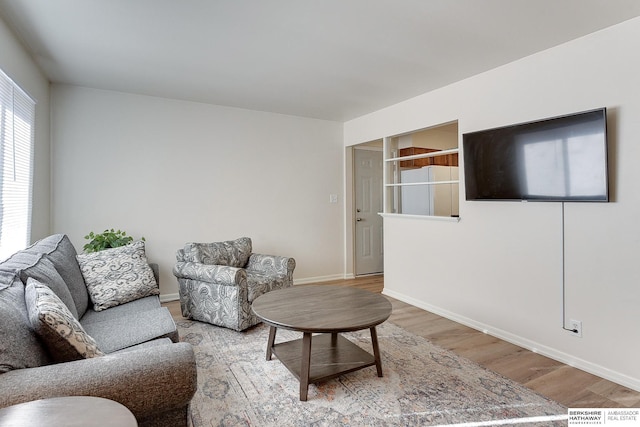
(558, 159)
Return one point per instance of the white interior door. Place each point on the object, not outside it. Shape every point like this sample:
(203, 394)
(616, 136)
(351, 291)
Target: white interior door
(369, 257)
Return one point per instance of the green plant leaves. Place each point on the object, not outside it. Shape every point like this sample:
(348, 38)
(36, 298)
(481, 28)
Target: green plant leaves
(105, 240)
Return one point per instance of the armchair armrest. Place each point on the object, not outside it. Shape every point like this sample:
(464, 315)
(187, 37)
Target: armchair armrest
(271, 264)
(148, 381)
(218, 274)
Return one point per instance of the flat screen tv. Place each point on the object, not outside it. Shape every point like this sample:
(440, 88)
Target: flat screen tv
(557, 159)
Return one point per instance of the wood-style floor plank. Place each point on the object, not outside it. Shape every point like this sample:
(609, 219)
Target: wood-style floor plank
(569, 386)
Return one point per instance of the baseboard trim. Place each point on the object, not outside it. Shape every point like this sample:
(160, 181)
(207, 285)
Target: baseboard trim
(169, 297)
(307, 280)
(592, 368)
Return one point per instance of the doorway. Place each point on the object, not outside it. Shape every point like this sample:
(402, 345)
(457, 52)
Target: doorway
(368, 224)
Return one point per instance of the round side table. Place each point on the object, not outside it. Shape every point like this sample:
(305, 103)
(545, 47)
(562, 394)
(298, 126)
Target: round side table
(69, 411)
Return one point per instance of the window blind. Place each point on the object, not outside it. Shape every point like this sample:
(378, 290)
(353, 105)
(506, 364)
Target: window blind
(17, 120)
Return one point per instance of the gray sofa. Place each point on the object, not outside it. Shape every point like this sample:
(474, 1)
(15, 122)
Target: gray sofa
(140, 362)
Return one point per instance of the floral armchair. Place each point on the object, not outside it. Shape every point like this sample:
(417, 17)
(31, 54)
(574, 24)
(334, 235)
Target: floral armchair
(219, 281)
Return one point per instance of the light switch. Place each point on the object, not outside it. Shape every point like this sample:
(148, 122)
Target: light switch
(333, 198)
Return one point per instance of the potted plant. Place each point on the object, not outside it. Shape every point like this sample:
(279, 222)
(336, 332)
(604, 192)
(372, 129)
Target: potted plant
(105, 240)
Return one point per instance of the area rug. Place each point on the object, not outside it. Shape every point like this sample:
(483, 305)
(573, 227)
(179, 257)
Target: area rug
(423, 385)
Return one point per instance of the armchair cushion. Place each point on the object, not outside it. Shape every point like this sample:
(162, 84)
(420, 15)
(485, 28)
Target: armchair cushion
(233, 253)
(56, 326)
(118, 275)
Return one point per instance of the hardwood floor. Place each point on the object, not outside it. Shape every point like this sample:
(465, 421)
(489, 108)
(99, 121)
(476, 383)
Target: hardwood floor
(564, 384)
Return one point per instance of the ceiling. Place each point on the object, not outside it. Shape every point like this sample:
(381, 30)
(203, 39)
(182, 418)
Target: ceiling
(326, 59)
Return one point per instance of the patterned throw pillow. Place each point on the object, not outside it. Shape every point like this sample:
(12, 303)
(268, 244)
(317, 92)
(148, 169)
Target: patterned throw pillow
(52, 321)
(118, 275)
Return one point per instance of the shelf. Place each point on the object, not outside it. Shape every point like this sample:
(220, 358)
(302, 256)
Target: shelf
(424, 155)
(406, 184)
(328, 359)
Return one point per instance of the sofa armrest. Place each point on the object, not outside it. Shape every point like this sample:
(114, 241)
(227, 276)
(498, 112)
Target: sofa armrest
(147, 381)
(218, 274)
(156, 272)
(271, 264)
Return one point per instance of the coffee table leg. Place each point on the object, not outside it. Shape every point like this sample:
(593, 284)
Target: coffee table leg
(305, 365)
(272, 339)
(376, 350)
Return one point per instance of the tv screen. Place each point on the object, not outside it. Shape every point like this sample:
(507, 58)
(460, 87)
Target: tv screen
(557, 159)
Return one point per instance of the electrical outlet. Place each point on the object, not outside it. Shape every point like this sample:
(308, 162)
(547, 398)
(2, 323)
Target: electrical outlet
(576, 325)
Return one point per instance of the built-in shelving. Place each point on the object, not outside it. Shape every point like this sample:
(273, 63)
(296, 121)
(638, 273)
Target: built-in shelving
(398, 164)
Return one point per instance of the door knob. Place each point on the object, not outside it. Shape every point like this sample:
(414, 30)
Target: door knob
(358, 219)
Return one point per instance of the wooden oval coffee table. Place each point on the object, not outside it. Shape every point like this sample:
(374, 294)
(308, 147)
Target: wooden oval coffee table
(326, 311)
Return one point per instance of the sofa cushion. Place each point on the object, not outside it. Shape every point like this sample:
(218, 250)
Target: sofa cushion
(135, 328)
(30, 255)
(45, 273)
(46, 245)
(19, 261)
(65, 262)
(7, 278)
(147, 345)
(123, 310)
(118, 275)
(19, 345)
(59, 250)
(55, 325)
(232, 253)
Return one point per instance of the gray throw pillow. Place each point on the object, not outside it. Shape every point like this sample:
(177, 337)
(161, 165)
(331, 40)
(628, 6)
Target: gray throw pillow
(118, 275)
(63, 335)
(64, 259)
(45, 272)
(20, 347)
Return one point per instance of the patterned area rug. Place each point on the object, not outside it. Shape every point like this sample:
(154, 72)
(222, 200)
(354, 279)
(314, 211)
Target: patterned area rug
(423, 385)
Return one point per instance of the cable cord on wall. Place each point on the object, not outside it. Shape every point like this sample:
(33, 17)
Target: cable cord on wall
(564, 324)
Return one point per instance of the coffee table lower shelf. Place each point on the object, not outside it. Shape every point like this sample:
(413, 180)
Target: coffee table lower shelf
(331, 356)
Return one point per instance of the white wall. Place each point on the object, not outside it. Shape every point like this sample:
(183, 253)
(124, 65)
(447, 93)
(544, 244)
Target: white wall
(175, 172)
(500, 268)
(21, 68)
